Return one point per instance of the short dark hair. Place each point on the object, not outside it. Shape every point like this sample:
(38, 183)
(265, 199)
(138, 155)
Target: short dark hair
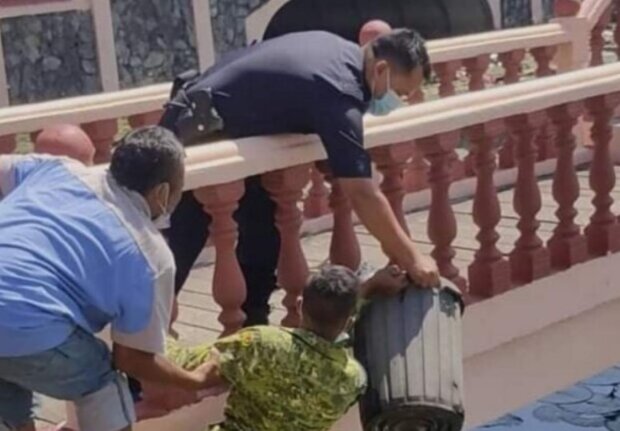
(146, 157)
(404, 48)
(331, 295)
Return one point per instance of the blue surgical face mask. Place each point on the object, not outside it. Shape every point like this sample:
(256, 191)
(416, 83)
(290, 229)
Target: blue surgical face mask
(387, 103)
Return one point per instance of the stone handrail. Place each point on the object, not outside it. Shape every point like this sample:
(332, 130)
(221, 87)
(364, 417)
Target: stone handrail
(227, 161)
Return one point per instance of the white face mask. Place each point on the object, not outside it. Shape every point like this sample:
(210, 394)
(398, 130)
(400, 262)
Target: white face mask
(162, 221)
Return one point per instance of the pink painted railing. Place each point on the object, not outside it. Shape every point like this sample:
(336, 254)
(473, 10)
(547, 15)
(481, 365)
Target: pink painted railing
(405, 165)
(599, 14)
(525, 111)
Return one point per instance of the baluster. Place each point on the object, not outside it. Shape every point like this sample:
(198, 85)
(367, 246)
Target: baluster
(7, 144)
(391, 161)
(145, 119)
(34, 135)
(442, 227)
(567, 245)
(416, 175)
(597, 41)
(512, 65)
(316, 203)
(566, 8)
(544, 140)
(617, 29)
(603, 232)
(229, 289)
(102, 134)
(344, 248)
(286, 189)
(530, 259)
(543, 56)
(447, 75)
(476, 68)
(489, 274)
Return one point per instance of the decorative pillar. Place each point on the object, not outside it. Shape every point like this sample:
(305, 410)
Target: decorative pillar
(286, 189)
(530, 259)
(446, 72)
(442, 228)
(489, 274)
(566, 8)
(567, 245)
(603, 232)
(544, 140)
(146, 119)
(102, 134)
(416, 175)
(344, 248)
(512, 65)
(597, 41)
(617, 29)
(7, 144)
(476, 68)
(229, 289)
(543, 56)
(391, 161)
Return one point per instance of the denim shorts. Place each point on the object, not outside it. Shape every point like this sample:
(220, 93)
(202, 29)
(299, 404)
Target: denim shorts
(79, 370)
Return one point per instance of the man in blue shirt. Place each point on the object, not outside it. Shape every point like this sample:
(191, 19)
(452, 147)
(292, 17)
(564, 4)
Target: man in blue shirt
(311, 83)
(80, 248)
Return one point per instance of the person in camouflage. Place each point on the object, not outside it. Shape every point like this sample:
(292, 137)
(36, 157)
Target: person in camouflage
(303, 379)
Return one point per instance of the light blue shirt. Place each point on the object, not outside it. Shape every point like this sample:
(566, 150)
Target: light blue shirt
(77, 250)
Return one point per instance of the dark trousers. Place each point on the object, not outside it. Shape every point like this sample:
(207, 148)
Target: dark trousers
(257, 249)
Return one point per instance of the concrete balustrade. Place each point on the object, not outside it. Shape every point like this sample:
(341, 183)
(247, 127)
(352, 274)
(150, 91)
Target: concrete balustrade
(424, 135)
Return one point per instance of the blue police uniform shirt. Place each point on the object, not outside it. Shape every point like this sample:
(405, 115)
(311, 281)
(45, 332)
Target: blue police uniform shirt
(308, 82)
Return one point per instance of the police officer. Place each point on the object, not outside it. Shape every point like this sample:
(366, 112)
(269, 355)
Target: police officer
(311, 83)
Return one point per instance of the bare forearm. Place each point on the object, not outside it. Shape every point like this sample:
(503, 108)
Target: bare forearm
(375, 213)
(156, 369)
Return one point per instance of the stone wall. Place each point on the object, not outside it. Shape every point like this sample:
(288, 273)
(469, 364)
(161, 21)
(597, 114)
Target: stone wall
(50, 56)
(155, 40)
(516, 13)
(53, 56)
(228, 21)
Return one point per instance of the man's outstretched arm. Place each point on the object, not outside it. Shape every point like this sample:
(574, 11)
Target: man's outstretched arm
(340, 127)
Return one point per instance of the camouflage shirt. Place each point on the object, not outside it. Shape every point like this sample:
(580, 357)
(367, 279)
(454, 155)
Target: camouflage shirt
(283, 379)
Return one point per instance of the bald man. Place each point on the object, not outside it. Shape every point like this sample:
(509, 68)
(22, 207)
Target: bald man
(372, 30)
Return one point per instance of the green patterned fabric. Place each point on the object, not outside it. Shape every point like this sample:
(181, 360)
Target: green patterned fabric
(281, 379)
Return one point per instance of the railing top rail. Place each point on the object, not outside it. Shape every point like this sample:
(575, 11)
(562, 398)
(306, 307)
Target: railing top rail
(229, 160)
(499, 41)
(84, 109)
(593, 10)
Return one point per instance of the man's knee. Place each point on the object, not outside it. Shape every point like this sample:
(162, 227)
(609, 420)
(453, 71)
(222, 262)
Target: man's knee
(16, 407)
(110, 408)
